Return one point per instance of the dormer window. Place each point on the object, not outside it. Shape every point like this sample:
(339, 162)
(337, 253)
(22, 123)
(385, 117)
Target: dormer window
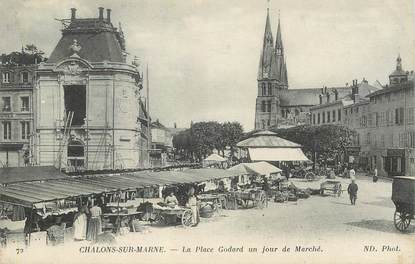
(6, 77)
(24, 77)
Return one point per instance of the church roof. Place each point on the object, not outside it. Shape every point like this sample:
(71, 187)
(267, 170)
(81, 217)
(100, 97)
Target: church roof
(309, 96)
(99, 41)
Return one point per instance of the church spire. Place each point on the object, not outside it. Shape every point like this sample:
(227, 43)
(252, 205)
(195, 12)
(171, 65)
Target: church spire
(264, 70)
(279, 48)
(399, 63)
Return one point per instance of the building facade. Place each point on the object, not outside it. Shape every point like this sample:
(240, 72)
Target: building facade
(88, 100)
(16, 114)
(385, 126)
(277, 105)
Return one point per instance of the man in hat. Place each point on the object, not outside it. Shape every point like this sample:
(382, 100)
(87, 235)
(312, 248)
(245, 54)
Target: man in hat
(352, 190)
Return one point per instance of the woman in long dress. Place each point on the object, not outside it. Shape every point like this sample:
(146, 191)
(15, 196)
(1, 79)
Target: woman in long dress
(94, 225)
(80, 224)
(192, 204)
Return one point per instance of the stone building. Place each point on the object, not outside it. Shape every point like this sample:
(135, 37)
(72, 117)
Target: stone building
(88, 100)
(385, 126)
(330, 110)
(16, 114)
(276, 104)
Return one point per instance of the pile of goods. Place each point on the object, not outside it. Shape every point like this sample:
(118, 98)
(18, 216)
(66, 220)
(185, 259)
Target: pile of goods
(206, 210)
(292, 193)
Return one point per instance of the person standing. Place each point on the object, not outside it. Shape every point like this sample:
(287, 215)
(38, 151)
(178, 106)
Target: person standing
(80, 224)
(94, 225)
(171, 200)
(352, 190)
(192, 204)
(352, 174)
(375, 175)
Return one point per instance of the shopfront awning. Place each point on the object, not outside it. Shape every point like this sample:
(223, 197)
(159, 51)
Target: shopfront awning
(277, 154)
(29, 193)
(257, 168)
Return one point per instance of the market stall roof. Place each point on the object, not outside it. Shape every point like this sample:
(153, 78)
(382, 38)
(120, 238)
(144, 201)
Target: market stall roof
(277, 154)
(215, 157)
(260, 168)
(29, 193)
(27, 174)
(266, 139)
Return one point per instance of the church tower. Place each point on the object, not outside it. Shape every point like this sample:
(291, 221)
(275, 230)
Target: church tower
(272, 77)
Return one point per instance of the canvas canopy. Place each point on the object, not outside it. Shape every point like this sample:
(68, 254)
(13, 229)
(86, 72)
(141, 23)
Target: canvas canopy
(215, 158)
(25, 174)
(29, 193)
(277, 154)
(258, 168)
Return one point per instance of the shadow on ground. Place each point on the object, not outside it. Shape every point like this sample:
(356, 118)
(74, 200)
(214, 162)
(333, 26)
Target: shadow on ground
(381, 225)
(381, 201)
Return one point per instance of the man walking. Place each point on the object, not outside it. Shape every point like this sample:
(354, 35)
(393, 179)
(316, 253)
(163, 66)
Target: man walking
(352, 190)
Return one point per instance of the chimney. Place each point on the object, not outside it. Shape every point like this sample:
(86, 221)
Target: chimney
(325, 89)
(109, 15)
(321, 98)
(73, 13)
(336, 95)
(101, 13)
(328, 97)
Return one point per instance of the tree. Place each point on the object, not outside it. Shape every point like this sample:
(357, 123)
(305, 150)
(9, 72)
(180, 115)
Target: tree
(27, 56)
(232, 133)
(328, 141)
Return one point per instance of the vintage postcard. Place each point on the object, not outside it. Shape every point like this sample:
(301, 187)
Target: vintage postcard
(196, 131)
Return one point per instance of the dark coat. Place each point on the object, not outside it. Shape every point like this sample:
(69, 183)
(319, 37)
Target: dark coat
(352, 189)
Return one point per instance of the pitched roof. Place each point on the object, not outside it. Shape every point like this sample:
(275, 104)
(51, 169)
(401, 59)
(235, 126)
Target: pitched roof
(309, 96)
(267, 139)
(98, 39)
(29, 174)
(392, 88)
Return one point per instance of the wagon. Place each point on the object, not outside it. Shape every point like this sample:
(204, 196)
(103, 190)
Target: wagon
(218, 200)
(171, 215)
(335, 187)
(403, 196)
(251, 197)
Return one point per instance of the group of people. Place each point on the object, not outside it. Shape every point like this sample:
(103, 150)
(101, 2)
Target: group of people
(191, 203)
(87, 223)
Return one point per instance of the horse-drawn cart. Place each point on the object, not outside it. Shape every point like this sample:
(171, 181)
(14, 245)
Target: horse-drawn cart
(335, 187)
(250, 198)
(403, 196)
(171, 215)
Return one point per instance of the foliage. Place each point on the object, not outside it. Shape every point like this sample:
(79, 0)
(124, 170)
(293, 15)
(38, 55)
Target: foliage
(328, 141)
(202, 138)
(27, 56)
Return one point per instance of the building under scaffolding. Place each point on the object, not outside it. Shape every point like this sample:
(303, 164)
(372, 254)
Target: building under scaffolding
(88, 101)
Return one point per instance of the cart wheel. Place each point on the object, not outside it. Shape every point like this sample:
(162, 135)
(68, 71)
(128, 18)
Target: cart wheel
(402, 220)
(160, 219)
(187, 217)
(339, 190)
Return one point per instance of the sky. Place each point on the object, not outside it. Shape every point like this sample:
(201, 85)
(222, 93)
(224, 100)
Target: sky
(203, 55)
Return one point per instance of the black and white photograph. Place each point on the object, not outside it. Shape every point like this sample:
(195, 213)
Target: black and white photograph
(207, 131)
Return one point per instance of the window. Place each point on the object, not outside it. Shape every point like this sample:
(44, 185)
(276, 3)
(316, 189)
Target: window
(377, 119)
(6, 77)
(24, 77)
(269, 106)
(318, 118)
(399, 116)
(268, 122)
(339, 115)
(263, 124)
(368, 139)
(314, 119)
(334, 116)
(264, 91)
(324, 117)
(6, 104)
(328, 116)
(410, 115)
(24, 104)
(263, 106)
(25, 128)
(369, 120)
(269, 89)
(7, 130)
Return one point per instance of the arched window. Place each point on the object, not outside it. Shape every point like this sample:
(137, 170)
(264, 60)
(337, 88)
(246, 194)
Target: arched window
(264, 90)
(269, 89)
(263, 106)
